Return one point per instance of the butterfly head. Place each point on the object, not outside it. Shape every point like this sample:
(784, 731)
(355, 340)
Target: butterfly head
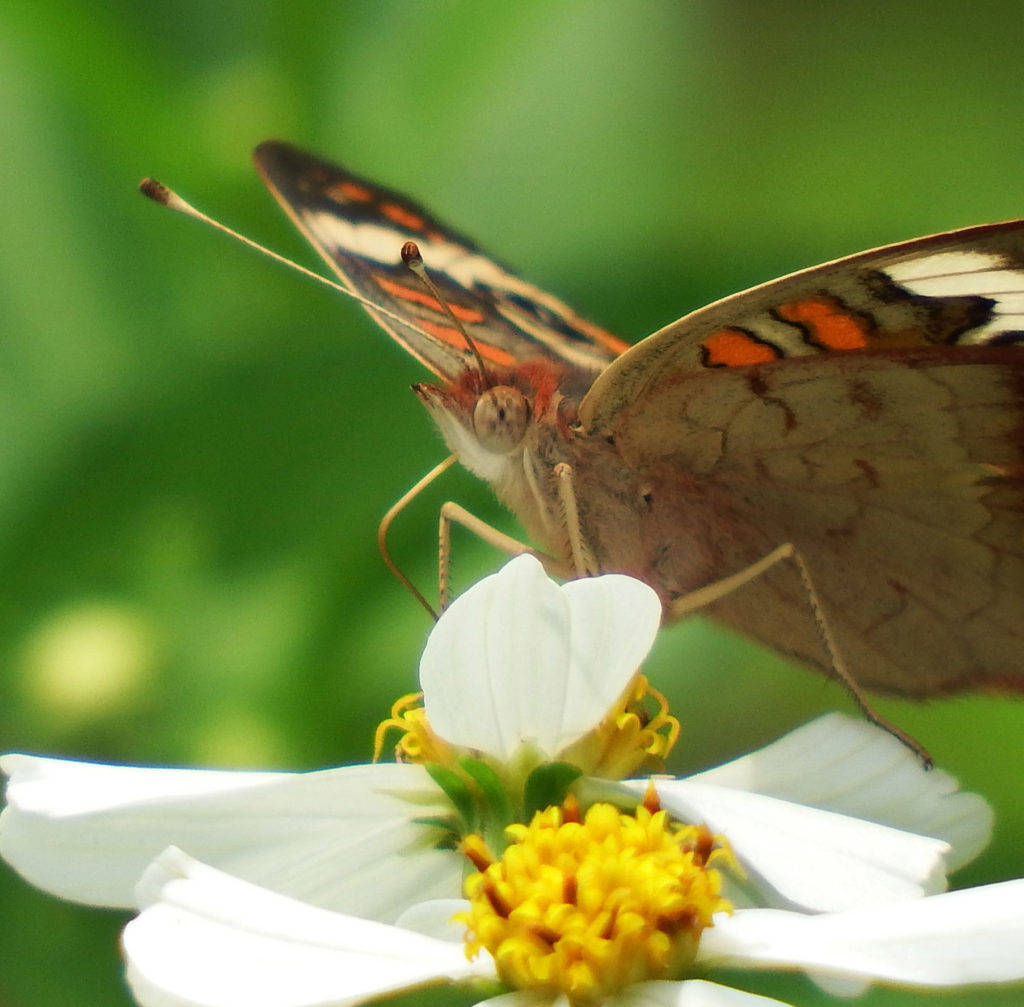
(488, 420)
(500, 419)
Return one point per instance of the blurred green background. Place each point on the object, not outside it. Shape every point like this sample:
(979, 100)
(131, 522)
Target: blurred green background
(196, 445)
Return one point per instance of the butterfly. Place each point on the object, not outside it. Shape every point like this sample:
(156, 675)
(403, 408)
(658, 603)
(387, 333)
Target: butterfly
(870, 411)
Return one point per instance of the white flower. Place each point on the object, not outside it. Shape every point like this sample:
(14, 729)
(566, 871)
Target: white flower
(204, 939)
(518, 671)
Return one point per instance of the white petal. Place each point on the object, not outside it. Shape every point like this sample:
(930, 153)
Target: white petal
(518, 660)
(691, 993)
(64, 787)
(614, 622)
(477, 668)
(434, 919)
(959, 938)
(205, 939)
(811, 859)
(339, 838)
(843, 764)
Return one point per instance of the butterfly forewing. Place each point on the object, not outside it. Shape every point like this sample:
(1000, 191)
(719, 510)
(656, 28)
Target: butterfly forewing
(359, 228)
(959, 288)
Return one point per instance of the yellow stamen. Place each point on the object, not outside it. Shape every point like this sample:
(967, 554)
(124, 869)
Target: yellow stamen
(632, 738)
(585, 908)
(417, 743)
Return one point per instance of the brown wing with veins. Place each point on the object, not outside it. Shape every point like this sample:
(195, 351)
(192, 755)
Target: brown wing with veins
(899, 475)
(870, 411)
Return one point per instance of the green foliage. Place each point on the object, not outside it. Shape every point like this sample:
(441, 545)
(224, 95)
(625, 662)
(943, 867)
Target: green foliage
(195, 445)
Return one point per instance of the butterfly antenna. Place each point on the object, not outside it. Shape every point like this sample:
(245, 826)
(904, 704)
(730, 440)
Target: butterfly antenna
(388, 519)
(412, 258)
(159, 193)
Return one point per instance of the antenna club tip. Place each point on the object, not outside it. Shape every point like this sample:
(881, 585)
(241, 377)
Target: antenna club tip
(411, 254)
(154, 190)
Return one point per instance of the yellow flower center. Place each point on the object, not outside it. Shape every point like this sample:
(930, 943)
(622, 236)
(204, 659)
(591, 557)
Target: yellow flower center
(586, 908)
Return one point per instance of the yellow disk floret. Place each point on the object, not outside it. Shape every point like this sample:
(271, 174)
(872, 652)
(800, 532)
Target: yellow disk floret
(586, 908)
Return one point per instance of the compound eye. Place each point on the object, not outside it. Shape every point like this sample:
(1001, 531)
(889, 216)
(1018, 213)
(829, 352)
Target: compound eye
(500, 419)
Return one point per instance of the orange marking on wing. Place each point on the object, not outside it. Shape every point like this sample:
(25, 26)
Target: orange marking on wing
(827, 322)
(455, 338)
(402, 217)
(347, 192)
(735, 348)
(422, 297)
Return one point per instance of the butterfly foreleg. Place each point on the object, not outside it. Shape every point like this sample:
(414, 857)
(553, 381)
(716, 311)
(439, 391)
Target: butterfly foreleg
(453, 513)
(393, 512)
(720, 588)
(582, 555)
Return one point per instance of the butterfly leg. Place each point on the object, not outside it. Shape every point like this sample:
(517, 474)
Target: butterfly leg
(453, 513)
(388, 519)
(704, 596)
(720, 588)
(582, 554)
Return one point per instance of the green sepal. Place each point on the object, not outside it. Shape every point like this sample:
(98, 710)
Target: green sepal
(446, 825)
(446, 822)
(547, 786)
(457, 792)
(496, 799)
(487, 989)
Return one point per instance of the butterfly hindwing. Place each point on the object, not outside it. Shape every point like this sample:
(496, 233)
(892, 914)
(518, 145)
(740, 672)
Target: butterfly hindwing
(359, 228)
